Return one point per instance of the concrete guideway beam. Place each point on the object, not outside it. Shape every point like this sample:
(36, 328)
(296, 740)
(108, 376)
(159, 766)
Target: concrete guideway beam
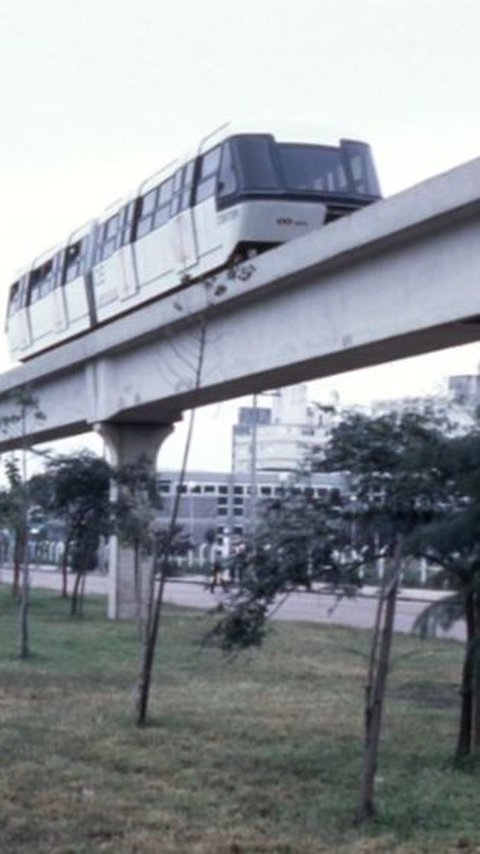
(395, 279)
(127, 444)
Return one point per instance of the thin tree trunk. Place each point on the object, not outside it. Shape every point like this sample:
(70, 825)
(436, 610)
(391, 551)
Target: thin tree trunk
(17, 562)
(75, 594)
(476, 676)
(23, 633)
(155, 611)
(464, 741)
(64, 568)
(379, 668)
(373, 658)
(81, 594)
(137, 587)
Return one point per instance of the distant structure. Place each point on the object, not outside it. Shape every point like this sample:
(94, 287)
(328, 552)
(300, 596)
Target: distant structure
(280, 437)
(217, 510)
(271, 447)
(464, 390)
(458, 403)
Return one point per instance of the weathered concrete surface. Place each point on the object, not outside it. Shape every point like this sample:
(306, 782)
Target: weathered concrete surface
(398, 278)
(129, 574)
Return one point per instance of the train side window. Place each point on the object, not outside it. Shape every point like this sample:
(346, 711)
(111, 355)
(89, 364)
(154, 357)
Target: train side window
(145, 214)
(109, 237)
(188, 176)
(228, 182)
(175, 205)
(148, 202)
(14, 300)
(162, 213)
(207, 180)
(74, 263)
(106, 243)
(186, 197)
(165, 193)
(144, 226)
(177, 181)
(126, 223)
(41, 281)
(182, 189)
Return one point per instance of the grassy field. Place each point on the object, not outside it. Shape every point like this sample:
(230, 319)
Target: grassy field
(258, 754)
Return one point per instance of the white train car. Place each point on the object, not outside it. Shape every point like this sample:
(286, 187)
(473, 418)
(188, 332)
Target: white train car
(236, 195)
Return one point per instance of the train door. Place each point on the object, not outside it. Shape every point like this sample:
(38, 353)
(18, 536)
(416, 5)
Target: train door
(17, 323)
(209, 237)
(43, 279)
(183, 227)
(128, 285)
(73, 292)
(108, 272)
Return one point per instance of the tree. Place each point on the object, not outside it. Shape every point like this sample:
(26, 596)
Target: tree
(77, 491)
(14, 517)
(398, 483)
(453, 547)
(194, 366)
(16, 426)
(393, 482)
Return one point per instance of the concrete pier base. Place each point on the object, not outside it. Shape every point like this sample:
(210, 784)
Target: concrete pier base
(128, 444)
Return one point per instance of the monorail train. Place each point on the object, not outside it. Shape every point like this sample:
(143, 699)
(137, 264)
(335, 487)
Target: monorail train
(238, 194)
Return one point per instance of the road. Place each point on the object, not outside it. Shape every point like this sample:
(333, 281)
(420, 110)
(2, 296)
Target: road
(323, 608)
(358, 611)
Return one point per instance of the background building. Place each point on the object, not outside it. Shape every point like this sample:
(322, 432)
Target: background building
(218, 509)
(281, 436)
(272, 442)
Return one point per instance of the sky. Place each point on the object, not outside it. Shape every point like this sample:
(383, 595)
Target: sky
(95, 95)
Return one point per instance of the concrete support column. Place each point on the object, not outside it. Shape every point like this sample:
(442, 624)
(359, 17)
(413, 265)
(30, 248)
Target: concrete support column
(127, 444)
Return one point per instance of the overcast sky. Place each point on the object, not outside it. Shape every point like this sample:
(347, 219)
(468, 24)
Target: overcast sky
(97, 94)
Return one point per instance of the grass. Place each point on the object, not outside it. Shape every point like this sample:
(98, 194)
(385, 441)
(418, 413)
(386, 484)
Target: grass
(258, 754)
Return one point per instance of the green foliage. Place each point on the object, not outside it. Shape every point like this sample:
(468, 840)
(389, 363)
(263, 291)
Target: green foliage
(300, 539)
(452, 542)
(25, 412)
(76, 489)
(137, 505)
(13, 498)
(395, 480)
(395, 467)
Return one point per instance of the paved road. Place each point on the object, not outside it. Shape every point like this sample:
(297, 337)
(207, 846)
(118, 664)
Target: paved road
(320, 607)
(306, 607)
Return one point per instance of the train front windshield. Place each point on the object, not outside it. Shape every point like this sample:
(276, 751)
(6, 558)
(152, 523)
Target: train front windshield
(347, 170)
(293, 169)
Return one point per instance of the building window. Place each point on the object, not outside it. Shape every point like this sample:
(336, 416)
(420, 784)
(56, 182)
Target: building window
(222, 511)
(238, 500)
(238, 490)
(265, 490)
(238, 530)
(223, 490)
(222, 499)
(208, 489)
